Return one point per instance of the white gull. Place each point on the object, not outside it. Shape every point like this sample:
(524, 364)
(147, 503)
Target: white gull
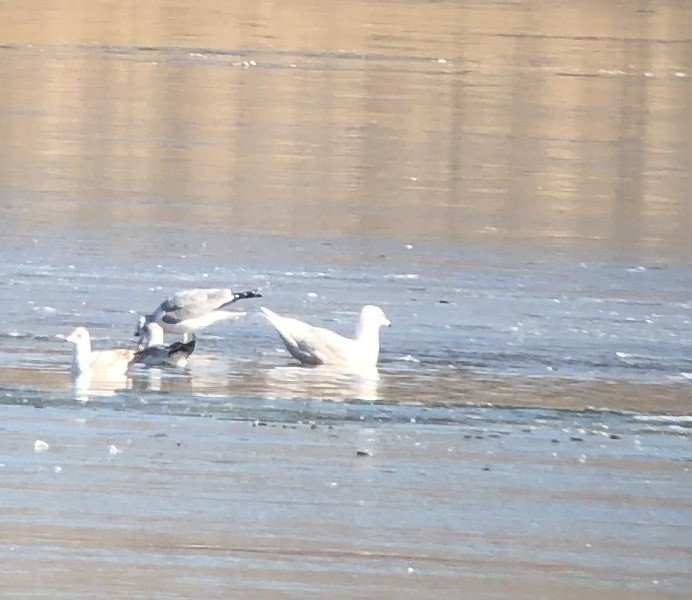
(102, 362)
(319, 346)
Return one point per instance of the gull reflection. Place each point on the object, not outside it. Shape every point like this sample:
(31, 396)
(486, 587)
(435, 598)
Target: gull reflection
(322, 383)
(88, 385)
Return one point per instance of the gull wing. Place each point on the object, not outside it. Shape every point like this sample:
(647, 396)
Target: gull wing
(311, 345)
(191, 304)
(175, 355)
(112, 360)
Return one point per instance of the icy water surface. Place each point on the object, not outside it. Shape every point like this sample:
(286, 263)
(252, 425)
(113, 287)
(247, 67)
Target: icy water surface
(468, 328)
(510, 182)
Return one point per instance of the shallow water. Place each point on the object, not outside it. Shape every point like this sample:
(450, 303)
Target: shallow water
(155, 505)
(509, 182)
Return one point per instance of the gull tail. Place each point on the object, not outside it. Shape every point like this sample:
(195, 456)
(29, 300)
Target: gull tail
(279, 323)
(241, 296)
(245, 295)
(185, 348)
(271, 316)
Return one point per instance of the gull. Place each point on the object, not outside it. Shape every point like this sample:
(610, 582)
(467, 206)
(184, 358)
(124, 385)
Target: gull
(153, 353)
(190, 310)
(319, 346)
(102, 362)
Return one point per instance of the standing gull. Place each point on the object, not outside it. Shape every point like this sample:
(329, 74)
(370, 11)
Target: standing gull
(102, 362)
(190, 310)
(153, 353)
(318, 346)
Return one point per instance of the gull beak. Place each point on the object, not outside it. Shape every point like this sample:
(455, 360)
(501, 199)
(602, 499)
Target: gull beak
(387, 322)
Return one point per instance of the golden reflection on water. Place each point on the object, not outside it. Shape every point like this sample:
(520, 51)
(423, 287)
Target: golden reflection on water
(557, 124)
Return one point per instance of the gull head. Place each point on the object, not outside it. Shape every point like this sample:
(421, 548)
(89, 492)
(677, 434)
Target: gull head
(373, 316)
(141, 322)
(78, 336)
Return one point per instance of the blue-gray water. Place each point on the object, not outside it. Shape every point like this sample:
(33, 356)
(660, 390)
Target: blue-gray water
(509, 182)
(470, 325)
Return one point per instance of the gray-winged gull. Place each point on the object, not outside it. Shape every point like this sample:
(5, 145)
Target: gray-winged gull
(188, 311)
(319, 346)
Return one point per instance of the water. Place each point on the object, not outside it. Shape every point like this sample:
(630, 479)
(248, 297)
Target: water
(510, 182)
(496, 329)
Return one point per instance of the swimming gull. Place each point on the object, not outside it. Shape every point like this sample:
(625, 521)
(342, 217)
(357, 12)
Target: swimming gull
(319, 346)
(190, 310)
(153, 353)
(105, 362)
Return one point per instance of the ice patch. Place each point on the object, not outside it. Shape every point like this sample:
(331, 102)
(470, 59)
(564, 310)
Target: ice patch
(40, 446)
